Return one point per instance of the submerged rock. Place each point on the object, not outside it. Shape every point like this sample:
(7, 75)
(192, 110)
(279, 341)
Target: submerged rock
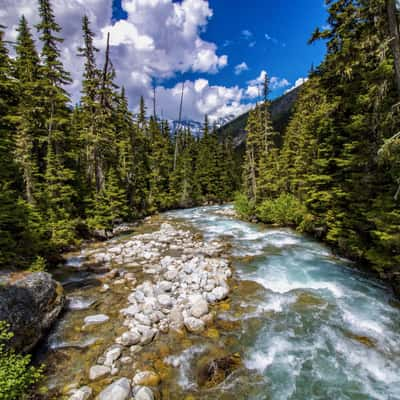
(83, 393)
(98, 371)
(146, 378)
(143, 393)
(96, 319)
(119, 390)
(129, 338)
(30, 305)
(216, 371)
(194, 325)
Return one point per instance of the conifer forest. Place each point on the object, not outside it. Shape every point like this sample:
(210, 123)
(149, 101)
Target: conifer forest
(245, 244)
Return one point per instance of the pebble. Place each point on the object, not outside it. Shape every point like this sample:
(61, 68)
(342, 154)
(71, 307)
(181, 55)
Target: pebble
(96, 319)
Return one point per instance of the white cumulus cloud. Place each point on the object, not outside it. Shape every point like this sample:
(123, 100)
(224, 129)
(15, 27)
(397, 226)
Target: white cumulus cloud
(159, 39)
(242, 67)
(298, 83)
(201, 98)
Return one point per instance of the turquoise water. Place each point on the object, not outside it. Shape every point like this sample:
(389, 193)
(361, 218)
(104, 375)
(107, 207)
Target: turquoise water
(323, 330)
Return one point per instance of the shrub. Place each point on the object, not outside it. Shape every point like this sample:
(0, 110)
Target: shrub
(39, 265)
(284, 210)
(17, 376)
(243, 206)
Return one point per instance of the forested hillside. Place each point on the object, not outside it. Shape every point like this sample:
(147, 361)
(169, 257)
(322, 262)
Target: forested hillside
(68, 172)
(281, 110)
(337, 174)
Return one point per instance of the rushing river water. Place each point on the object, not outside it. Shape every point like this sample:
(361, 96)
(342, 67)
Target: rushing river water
(325, 331)
(306, 325)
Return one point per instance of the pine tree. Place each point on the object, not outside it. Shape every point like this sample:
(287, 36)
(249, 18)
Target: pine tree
(28, 117)
(90, 104)
(109, 206)
(58, 176)
(160, 163)
(268, 180)
(254, 148)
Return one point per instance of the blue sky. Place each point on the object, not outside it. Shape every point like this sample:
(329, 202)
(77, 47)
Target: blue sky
(219, 48)
(265, 34)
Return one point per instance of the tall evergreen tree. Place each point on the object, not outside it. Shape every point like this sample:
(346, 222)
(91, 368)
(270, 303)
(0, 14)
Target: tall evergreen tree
(254, 149)
(58, 176)
(90, 104)
(28, 116)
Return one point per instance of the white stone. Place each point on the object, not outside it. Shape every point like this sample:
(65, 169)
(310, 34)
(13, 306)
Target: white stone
(194, 325)
(129, 338)
(143, 393)
(83, 393)
(130, 311)
(165, 286)
(147, 336)
(126, 360)
(176, 319)
(144, 376)
(119, 390)
(112, 355)
(96, 319)
(171, 275)
(220, 292)
(165, 300)
(199, 308)
(143, 319)
(98, 371)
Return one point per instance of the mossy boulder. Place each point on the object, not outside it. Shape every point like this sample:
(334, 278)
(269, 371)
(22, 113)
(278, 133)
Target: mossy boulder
(30, 305)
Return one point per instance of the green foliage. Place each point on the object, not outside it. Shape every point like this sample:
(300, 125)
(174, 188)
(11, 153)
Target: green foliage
(39, 265)
(109, 207)
(243, 206)
(17, 376)
(284, 210)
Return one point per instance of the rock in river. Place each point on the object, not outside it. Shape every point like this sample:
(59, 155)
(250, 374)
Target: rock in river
(143, 393)
(30, 305)
(119, 390)
(96, 319)
(146, 378)
(194, 325)
(83, 393)
(98, 371)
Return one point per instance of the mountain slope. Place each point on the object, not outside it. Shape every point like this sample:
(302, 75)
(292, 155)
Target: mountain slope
(281, 111)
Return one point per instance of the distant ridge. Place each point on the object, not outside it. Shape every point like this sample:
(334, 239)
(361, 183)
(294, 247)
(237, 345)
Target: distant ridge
(281, 111)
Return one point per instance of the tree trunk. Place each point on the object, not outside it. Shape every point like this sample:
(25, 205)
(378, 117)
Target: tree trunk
(395, 37)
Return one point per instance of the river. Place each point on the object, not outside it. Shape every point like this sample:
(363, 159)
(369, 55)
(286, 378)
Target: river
(306, 324)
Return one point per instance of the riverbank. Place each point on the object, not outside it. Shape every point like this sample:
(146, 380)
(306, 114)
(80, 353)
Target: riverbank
(294, 314)
(166, 281)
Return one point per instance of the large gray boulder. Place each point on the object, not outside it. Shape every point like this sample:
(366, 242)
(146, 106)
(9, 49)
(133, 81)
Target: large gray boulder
(30, 305)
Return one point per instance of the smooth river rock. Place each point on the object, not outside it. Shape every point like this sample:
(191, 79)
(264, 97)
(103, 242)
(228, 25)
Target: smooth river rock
(83, 393)
(96, 319)
(119, 390)
(98, 371)
(143, 393)
(129, 338)
(194, 325)
(146, 378)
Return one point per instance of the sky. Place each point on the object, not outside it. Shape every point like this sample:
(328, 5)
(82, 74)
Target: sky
(221, 49)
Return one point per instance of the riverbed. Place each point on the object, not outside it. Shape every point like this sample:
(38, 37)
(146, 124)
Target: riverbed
(303, 323)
